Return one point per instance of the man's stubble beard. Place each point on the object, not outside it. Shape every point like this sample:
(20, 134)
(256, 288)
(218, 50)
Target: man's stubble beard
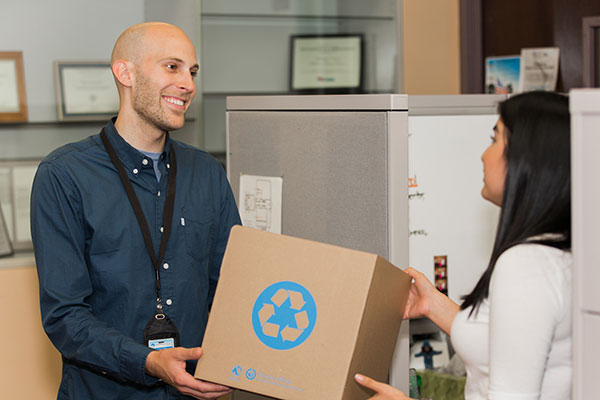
(150, 111)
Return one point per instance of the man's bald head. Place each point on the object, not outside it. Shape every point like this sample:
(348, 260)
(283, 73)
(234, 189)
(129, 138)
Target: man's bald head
(132, 43)
(154, 65)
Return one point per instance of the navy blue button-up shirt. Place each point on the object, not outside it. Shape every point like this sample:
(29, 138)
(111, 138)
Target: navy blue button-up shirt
(97, 282)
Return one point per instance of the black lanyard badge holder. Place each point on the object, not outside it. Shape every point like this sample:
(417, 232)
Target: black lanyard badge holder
(160, 331)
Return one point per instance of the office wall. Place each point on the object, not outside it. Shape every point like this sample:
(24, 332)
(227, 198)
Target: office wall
(431, 46)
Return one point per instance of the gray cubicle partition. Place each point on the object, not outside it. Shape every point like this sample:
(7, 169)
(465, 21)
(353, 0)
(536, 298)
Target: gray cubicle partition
(585, 147)
(333, 153)
(344, 161)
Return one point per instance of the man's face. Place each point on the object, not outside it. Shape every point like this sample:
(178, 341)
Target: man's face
(164, 80)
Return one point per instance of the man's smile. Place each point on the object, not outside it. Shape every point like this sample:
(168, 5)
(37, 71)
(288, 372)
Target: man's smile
(179, 103)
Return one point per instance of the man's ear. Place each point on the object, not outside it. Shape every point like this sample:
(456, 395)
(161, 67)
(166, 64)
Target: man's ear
(122, 71)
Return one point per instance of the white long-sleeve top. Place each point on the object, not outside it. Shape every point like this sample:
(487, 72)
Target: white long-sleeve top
(518, 345)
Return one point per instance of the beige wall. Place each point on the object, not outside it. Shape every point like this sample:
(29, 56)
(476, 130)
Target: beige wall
(431, 43)
(31, 366)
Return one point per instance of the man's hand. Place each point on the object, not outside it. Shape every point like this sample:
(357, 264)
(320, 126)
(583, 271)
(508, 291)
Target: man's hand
(382, 390)
(169, 365)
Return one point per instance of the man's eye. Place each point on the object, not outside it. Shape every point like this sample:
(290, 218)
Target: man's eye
(171, 66)
(194, 73)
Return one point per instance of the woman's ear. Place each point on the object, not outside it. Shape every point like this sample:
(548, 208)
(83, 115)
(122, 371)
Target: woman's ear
(122, 71)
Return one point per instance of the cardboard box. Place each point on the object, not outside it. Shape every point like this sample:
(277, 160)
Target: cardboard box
(296, 319)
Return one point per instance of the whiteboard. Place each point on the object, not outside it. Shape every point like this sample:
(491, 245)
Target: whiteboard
(447, 215)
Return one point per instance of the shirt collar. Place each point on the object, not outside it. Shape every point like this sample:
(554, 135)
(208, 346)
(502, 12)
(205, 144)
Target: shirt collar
(130, 156)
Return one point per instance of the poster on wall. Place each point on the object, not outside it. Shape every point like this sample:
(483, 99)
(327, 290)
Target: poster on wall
(539, 69)
(502, 74)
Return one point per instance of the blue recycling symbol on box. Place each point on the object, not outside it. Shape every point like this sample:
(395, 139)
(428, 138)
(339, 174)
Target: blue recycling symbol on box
(284, 315)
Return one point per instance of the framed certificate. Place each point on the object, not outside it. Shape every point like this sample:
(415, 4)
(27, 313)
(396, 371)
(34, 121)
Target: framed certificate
(16, 180)
(13, 102)
(5, 245)
(327, 63)
(85, 91)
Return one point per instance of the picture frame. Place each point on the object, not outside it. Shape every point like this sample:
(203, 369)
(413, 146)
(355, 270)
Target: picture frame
(327, 64)
(591, 51)
(16, 180)
(539, 69)
(85, 91)
(6, 248)
(502, 74)
(13, 99)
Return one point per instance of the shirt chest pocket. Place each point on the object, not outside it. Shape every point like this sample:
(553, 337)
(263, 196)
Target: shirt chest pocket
(199, 235)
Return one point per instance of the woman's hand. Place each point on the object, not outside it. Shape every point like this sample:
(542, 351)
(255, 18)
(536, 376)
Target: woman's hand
(420, 295)
(382, 390)
(424, 300)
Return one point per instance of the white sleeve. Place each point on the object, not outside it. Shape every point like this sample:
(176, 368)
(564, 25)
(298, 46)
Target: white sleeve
(524, 310)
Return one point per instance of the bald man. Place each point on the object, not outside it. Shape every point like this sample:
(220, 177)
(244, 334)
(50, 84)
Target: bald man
(129, 229)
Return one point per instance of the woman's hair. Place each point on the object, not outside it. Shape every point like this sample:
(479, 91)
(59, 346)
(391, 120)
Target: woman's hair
(537, 189)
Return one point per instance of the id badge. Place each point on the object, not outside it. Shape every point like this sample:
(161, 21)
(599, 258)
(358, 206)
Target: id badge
(161, 333)
(159, 344)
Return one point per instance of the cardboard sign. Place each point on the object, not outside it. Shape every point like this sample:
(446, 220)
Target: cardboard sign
(296, 319)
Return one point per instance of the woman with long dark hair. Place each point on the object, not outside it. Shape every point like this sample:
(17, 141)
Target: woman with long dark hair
(513, 331)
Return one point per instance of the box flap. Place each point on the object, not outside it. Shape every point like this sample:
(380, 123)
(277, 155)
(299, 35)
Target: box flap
(379, 328)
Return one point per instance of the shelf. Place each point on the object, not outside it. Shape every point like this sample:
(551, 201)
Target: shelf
(295, 16)
(43, 124)
(18, 260)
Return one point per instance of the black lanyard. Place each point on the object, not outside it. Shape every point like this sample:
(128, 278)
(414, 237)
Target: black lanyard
(137, 209)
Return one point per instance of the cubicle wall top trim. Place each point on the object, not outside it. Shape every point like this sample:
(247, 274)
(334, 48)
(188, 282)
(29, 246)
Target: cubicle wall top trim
(454, 104)
(415, 104)
(584, 101)
(351, 102)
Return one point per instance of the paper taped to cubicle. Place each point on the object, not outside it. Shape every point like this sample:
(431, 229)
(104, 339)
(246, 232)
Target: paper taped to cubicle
(260, 202)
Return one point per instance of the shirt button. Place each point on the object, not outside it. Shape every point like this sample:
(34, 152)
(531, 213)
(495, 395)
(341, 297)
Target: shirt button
(166, 266)
(169, 302)
(145, 161)
(162, 229)
(135, 171)
(158, 194)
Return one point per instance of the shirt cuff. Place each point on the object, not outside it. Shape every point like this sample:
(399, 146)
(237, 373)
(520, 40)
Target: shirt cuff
(133, 364)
